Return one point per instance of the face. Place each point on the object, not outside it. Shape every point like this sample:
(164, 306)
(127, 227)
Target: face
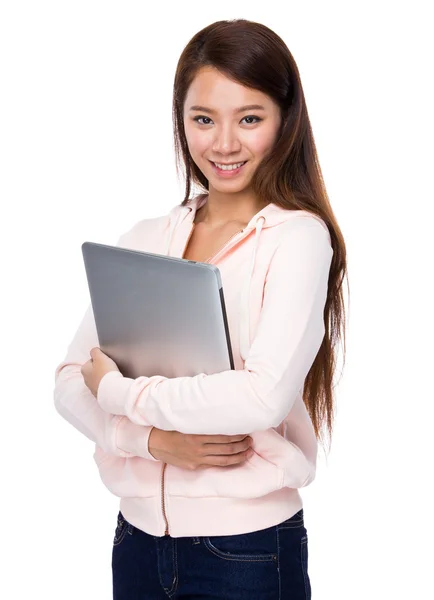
(219, 132)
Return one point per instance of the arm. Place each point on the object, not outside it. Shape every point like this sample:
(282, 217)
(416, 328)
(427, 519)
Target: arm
(75, 403)
(289, 334)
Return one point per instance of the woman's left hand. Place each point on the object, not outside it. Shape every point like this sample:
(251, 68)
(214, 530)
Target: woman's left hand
(95, 369)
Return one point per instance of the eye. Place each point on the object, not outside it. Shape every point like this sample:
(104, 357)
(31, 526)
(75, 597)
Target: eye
(248, 117)
(253, 117)
(197, 119)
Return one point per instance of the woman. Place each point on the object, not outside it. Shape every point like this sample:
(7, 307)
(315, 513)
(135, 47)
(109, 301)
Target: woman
(208, 468)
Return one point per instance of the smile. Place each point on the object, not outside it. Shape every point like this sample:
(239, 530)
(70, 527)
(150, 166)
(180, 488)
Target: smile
(228, 170)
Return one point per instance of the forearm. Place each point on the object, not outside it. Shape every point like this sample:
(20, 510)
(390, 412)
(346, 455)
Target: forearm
(114, 434)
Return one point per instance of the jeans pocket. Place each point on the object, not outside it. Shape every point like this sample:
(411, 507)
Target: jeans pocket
(257, 546)
(121, 529)
(293, 522)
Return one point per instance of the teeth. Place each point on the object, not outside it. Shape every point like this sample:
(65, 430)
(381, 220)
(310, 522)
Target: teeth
(229, 167)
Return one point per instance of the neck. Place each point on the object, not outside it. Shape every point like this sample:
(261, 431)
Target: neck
(224, 209)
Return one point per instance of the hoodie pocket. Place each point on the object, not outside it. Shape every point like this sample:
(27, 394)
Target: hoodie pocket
(129, 477)
(253, 478)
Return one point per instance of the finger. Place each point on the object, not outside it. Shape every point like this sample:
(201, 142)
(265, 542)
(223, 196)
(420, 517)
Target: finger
(221, 449)
(222, 439)
(224, 460)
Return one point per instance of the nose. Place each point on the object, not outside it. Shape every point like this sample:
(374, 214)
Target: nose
(226, 141)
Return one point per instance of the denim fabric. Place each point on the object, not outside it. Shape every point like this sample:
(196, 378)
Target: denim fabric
(271, 564)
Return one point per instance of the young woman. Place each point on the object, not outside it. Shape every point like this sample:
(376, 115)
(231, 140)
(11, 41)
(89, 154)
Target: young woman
(208, 468)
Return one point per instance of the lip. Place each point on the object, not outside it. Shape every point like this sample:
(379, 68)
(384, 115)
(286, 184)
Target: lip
(226, 174)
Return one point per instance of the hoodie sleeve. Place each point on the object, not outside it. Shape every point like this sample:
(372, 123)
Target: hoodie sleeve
(259, 396)
(74, 401)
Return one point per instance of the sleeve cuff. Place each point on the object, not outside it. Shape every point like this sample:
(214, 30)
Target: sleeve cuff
(111, 392)
(134, 438)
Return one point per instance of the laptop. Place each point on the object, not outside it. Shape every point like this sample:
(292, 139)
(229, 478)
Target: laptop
(157, 315)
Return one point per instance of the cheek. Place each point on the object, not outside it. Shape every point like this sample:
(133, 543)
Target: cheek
(197, 142)
(261, 143)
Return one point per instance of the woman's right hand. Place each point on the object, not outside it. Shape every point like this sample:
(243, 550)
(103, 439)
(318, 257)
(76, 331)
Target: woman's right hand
(194, 451)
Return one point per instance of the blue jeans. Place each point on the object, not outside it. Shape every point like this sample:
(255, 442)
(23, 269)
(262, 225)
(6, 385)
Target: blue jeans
(270, 564)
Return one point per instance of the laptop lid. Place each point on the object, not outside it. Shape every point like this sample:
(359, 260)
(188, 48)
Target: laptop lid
(157, 315)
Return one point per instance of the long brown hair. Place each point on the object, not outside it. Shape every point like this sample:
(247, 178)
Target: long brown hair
(289, 176)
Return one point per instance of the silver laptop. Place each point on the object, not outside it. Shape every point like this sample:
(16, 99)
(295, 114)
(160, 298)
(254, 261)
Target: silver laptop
(157, 315)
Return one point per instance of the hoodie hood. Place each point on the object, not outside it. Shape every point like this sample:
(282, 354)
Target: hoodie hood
(269, 216)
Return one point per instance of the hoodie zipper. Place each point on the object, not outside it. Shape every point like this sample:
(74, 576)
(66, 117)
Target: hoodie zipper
(163, 503)
(163, 506)
(218, 251)
(223, 247)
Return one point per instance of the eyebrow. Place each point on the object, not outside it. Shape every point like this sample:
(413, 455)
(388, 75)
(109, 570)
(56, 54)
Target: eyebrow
(237, 110)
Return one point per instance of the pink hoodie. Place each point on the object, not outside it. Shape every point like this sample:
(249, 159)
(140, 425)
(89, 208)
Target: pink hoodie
(275, 276)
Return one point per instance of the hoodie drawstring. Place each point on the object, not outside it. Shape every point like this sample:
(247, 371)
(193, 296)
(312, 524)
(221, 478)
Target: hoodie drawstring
(172, 228)
(244, 311)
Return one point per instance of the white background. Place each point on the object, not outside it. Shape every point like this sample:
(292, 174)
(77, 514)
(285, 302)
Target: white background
(86, 151)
